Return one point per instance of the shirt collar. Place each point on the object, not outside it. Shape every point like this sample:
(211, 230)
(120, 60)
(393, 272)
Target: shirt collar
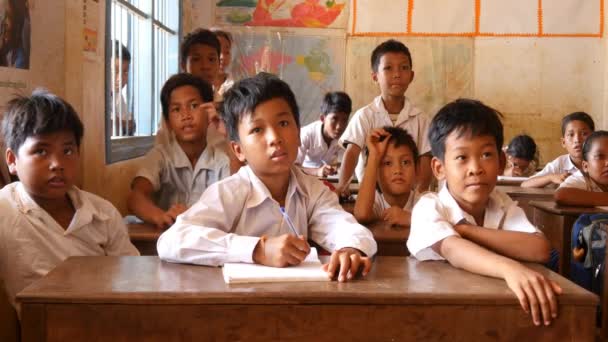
(493, 216)
(260, 193)
(569, 164)
(407, 110)
(180, 159)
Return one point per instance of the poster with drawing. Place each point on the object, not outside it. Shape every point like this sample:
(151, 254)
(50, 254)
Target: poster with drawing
(283, 13)
(15, 34)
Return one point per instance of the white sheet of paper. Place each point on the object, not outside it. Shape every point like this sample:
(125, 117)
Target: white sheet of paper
(309, 270)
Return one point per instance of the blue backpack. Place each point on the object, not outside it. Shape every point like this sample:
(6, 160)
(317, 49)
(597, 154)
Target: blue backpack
(588, 250)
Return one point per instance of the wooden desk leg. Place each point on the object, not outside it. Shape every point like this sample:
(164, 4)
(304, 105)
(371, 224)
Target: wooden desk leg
(33, 322)
(553, 226)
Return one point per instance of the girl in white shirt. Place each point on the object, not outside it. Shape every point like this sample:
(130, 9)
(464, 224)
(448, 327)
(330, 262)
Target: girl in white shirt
(387, 190)
(588, 187)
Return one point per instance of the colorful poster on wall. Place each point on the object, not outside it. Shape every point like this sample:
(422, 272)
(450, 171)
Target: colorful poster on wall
(311, 64)
(90, 17)
(15, 34)
(283, 13)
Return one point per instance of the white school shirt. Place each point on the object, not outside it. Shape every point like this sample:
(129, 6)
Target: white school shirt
(560, 164)
(225, 225)
(380, 203)
(32, 243)
(579, 181)
(435, 215)
(174, 180)
(374, 116)
(313, 151)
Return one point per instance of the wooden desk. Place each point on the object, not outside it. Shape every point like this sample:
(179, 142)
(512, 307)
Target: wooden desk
(391, 240)
(144, 299)
(524, 196)
(144, 237)
(556, 222)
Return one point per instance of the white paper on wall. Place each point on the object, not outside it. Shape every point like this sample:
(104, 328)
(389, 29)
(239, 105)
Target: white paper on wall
(380, 16)
(571, 17)
(440, 16)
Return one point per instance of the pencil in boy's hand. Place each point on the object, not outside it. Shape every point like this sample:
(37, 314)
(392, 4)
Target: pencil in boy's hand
(288, 220)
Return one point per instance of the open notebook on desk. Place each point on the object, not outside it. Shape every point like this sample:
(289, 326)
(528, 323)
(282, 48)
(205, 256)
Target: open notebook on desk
(309, 270)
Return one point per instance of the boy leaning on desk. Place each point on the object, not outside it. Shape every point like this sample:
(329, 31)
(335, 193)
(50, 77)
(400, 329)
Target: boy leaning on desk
(242, 218)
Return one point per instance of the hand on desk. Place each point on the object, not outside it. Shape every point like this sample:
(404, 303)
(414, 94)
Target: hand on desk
(164, 219)
(559, 178)
(281, 251)
(326, 170)
(348, 261)
(536, 294)
(397, 216)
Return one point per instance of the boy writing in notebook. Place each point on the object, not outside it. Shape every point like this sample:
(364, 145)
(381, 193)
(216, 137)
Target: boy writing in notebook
(471, 224)
(320, 149)
(242, 218)
(392, 70)
(576, 127)
(387, 190)
(173, 176)
(45, 217)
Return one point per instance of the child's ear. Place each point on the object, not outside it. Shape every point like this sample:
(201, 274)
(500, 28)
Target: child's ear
(563, 141)
(238, 152)
(375, 76)
(11, 161)
(413, 74)
(437, 167)
(585, 166)
(322, 117)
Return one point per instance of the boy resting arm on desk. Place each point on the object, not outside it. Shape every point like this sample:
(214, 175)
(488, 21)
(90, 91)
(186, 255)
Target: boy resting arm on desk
(241, 218)
(471, 224)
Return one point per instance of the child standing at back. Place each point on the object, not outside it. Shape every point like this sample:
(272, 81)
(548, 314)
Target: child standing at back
(173, 176)
(320, 149)
(588, 187)
(45, 218)
(576, 127)
(249, 216)
(471, 224)
(391, 168)
(391, 64)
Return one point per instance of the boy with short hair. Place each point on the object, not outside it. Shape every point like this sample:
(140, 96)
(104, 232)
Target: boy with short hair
(173, 176)
(391, 64)
(242, 218)
(576, 127)
(387, 190)
(320, 149)
(200, 55)
(45, 217)
(122, 119)
(470, 223)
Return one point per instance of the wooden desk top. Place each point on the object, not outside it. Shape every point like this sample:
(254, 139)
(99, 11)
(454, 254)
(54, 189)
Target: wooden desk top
(143, 232)
(384, 232)
(554, 208)
(527, 192)
(393, 280)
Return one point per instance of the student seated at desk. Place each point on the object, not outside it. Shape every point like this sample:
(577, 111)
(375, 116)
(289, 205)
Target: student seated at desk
(576, 127)
(173, 176)
(588, 187)
(521, 157)
(470, 223)
(45, 218)
(241, 218)
(319, 147)
(391, 168)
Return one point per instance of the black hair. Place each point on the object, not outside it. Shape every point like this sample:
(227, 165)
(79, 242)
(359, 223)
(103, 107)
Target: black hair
(121, 51)
(400, 137)
(588, 144)
(198, 36)
(464, 116)
(244, 96)
(336, 102)
(390, 45)
(40, 113)
(522, 146)
(179, 80)
(577, 116)
(224, 34)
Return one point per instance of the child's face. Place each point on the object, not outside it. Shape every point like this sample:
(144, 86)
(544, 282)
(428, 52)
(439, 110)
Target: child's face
(518, 166)
(470, 168)
(203, 62)
(596, 165)
(397, 170)
(121, 74)
(226, 55)
(575, 134)
(269, 139)
(394, 74)
(187, 119)
(334, 124)
(46, 164)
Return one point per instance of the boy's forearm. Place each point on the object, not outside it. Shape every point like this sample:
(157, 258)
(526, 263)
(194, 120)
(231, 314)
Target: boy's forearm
(537, 182)
(579, 197)
(512, 244)
(143, 207)
(364, 206)
(425, 175)
(349, 162)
